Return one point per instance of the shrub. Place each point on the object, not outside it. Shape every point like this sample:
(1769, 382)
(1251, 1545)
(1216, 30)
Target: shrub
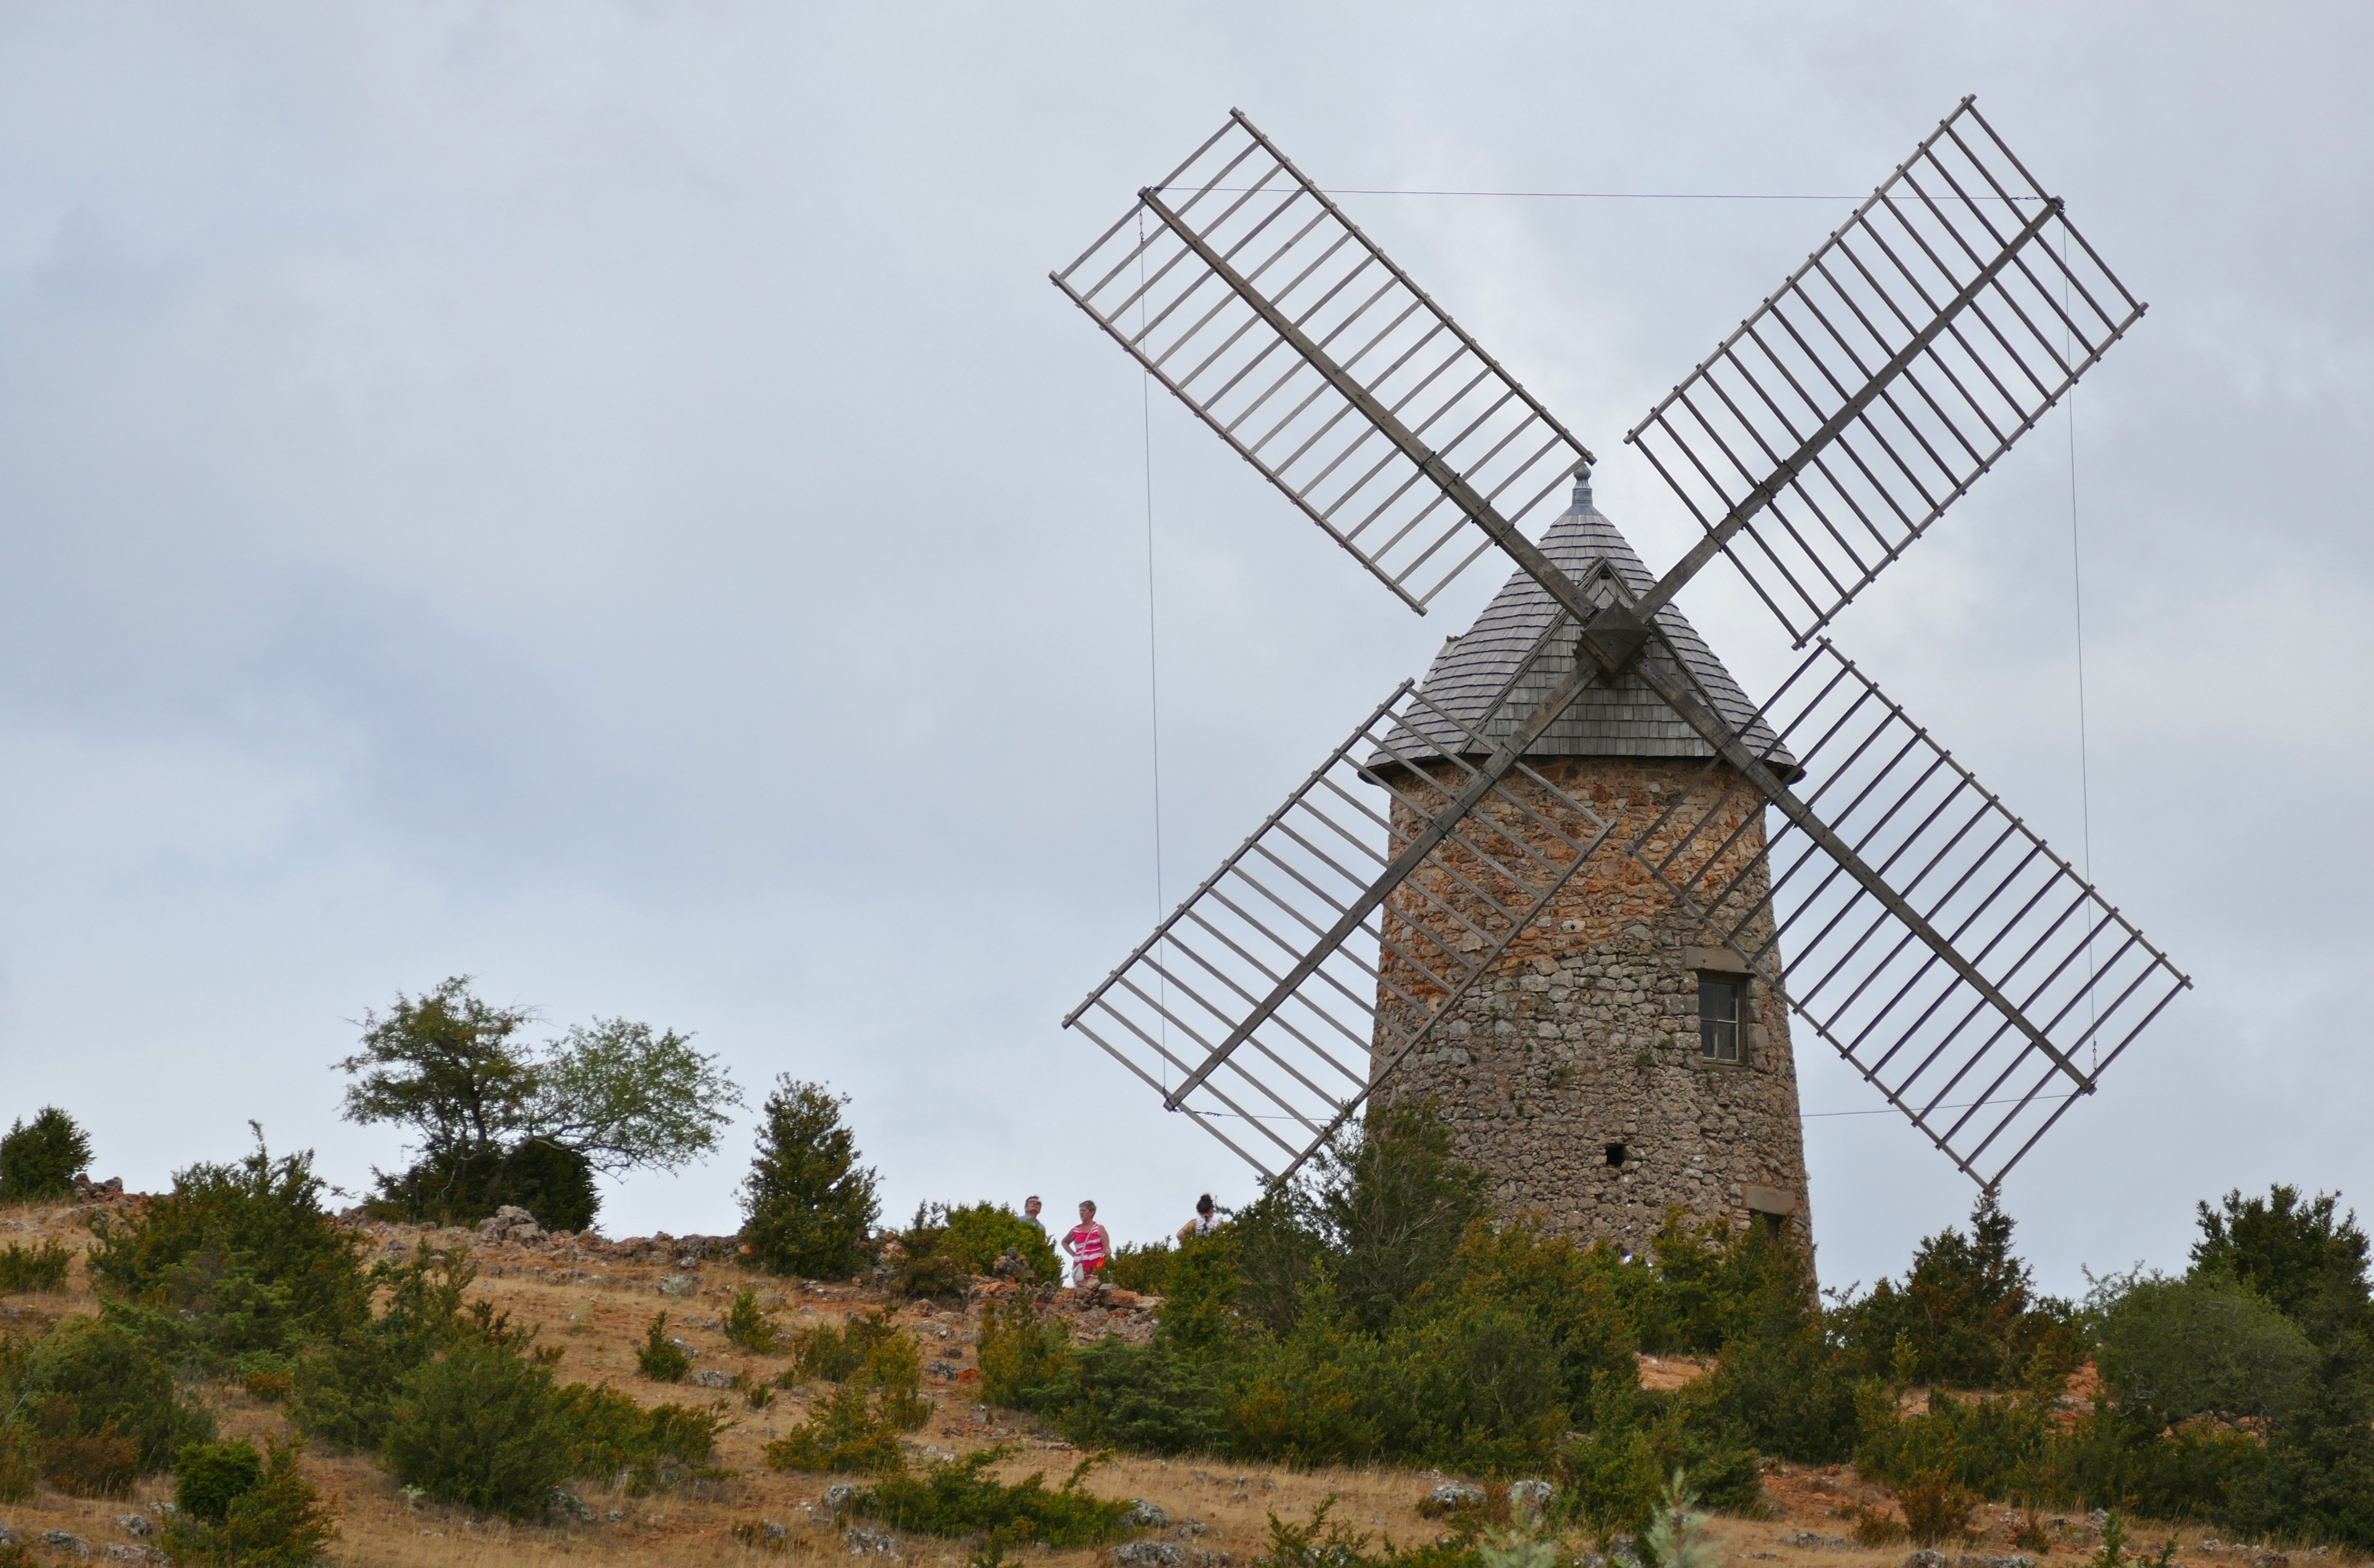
(97, 1390)
(1020, 1352)
(20, 1467)
(451, 1187)
(1789, 1396)
(42, 1268)
(2206, 1345)
(345, 1390)
(807, 1202)
(858, 1427)
(1965, 1314)
(748, 1325)
(1936, 1512)
(1677, 1536)
(607, 1434)
(236, 1259)
(979, 1234)
(1142, 1399)
(661, 1359)
(1144, 1269)
(962, 1498)
(39, 1159)
(1711, 1285)
(209, 1477)
(1382, 1210)
(925, 1269)
(278, 1520)
(477, 1426)
(2298, 1256)
(845, 1435)
(834, 1354)
(1200, 1314)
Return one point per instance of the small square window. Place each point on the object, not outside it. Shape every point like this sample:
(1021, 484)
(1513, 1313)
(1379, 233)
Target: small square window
(1719, 999)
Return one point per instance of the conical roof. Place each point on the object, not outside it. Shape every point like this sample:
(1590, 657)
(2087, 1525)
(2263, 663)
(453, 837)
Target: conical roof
(1624, 720)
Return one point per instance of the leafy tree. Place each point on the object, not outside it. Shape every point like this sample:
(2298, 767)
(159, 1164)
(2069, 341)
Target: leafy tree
(807, 1202)
(500, 1121)
(2298, 1255)
(40, 1160)
(2181, 1348)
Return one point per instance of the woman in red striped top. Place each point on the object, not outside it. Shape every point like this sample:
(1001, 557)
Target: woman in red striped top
(1088, 1242)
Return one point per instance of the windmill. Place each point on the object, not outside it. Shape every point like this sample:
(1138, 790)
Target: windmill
(1539, 886)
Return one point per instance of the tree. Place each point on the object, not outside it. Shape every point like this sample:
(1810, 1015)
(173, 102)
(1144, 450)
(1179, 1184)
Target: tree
(807, 1202)
(500, 1121)
(1966, 1312)
(2176, 1349)
(40, 1160)
(2298, 1255)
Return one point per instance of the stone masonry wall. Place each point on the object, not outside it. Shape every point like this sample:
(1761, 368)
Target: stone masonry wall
(1585, 1034)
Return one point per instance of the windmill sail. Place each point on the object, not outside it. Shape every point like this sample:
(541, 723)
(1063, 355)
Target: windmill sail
(2070, 982)
(1928, 334)
(1247, 292)
(1253, 1007)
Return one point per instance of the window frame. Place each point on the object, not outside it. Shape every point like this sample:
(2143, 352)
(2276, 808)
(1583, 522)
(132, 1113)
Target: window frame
(1737, 985)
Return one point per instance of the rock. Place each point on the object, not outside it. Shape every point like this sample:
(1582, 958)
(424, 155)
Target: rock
(10, 1537)
(836, 1498)
(117, 1551)
(711, 1378)
(870, 1543)
(501, 1224)
(1147, 1516)
(1530, 1496)
(1807, 1540)
(1925, 1558)
(1453, 1493)
(566, 1504)
(1188, 1529)
(1150, 1554)
(690, 1354)
(1212, 1559)
(679, 1285)
(943, 1369)
(133, 1523)
(65, 1542)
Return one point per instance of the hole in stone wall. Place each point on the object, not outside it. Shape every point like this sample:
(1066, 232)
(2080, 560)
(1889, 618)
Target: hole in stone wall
(1615, 1153)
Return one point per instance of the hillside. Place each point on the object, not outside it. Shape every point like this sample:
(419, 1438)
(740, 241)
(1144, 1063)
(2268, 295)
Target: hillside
(593, 1298)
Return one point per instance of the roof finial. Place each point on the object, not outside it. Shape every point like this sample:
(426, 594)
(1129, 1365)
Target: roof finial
(1582, 502)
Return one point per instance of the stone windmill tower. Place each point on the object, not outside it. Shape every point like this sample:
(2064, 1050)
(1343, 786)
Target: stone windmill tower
(1618, 1059)
(1553, 885)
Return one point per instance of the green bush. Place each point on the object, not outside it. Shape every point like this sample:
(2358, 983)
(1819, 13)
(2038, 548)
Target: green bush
(42, 1268)
(2205, 1345)
(835, 1354)
(2300, 1256)
(807, 1202)
(607, 1434)
(97, 1392)
(278, 1520)
(1144, 1269)
(1200, 1314)
(962, 1499)
(1020, 1352)
(1789, 1396)
(979, 1234)
(1965, 1314)
(847, 1434)
(451, 1187)
(748, 1325)
(39, 1159)
(478, 1426)
(209, 1477)
(1141, 1398)
(346, 1387)
(659, 1358)
(1325, 1542)
(235, 1259)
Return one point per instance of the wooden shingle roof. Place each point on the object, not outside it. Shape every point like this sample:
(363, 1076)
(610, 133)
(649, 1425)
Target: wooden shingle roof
(1625, 720)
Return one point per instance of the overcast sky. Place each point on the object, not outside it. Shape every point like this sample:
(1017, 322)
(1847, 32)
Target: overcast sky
(603, 499)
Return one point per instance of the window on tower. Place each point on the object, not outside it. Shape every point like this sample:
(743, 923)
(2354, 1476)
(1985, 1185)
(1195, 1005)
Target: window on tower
(1719, 1010)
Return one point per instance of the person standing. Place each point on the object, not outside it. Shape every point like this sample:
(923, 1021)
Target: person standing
(1089, 1243)
(1205, 1221)
(1031, 1207)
